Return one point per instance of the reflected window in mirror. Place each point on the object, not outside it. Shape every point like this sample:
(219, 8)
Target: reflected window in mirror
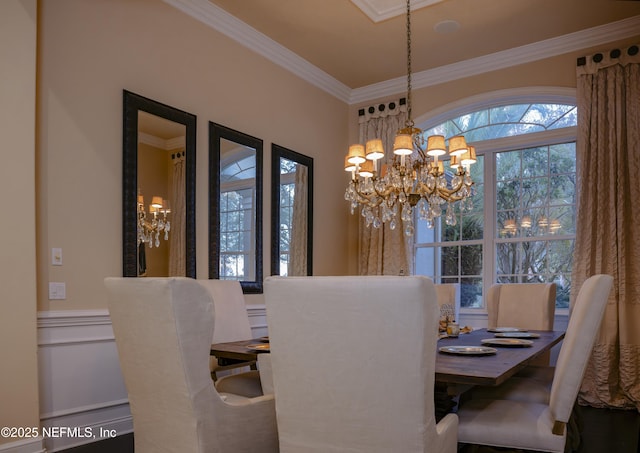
(236, 208)
(158, 189)
(291, 212)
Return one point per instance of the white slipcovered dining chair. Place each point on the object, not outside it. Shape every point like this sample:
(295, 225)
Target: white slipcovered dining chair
(231, 323)
(525, 305)
(353, 362)
(163, 329)
(532, 423)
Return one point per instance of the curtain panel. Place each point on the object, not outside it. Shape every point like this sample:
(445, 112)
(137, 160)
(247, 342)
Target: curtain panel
(177, 235)
(298, 245)
(383, 251)
(607, 236)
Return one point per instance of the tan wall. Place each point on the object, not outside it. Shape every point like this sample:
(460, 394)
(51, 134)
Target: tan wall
(91, 51)
(18, 345)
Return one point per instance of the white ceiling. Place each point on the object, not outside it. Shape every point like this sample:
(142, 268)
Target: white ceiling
(356, 49)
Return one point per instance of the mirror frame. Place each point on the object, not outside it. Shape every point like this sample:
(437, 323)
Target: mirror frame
(278, 152)
(132, 103)
(216, 133)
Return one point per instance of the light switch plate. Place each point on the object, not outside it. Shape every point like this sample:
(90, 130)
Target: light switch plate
(57, 291)
(56, 256)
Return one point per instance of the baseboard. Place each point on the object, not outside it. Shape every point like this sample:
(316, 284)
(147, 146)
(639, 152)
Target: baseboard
(35, 445)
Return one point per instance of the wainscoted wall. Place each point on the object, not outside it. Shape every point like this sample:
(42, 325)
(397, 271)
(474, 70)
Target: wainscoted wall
(80, 381)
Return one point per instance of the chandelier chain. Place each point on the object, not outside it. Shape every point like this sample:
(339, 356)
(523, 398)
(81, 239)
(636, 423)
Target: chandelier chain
(409, 122)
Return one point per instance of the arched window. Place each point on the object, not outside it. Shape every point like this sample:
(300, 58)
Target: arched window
(522, 224)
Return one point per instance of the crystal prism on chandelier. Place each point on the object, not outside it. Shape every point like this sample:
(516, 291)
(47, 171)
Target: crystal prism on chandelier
(414, 177)
(149, 230)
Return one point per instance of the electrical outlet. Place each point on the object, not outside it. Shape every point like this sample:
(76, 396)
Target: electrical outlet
(57, 291)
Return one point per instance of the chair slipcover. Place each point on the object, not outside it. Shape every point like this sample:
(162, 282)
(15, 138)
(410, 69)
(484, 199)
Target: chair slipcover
(231, 323)
(525, 305)
(163, 329)
(534, 425)
(353, 362)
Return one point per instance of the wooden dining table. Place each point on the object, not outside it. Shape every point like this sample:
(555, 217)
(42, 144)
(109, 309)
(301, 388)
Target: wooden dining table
(451, 369)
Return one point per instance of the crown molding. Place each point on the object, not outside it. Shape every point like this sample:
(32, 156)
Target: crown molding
(552, 47)
(160, 143)
(218, 19)
(225, 23)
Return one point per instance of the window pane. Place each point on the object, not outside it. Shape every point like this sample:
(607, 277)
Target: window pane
(508, 165)
(507, 262)
(534, 162)
(450, 260)
(473, 223)
(471, 260)
(425, 262)
(562, 189)
(507, 194)
(471, 292)
(562, 220)
(534, 192)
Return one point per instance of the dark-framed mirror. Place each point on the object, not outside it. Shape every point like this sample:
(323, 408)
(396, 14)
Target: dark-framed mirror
(235, 207)
(158, 189)
(291, 212)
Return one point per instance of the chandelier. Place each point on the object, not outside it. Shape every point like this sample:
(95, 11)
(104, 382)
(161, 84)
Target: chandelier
(149, 230)
(414, 178)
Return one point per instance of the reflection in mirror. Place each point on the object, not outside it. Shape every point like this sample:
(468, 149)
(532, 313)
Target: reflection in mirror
(158, 189)
(235, 210)
(291, 212)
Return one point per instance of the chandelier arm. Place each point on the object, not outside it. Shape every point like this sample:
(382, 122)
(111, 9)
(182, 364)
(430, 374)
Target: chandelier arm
(445, 194)
(367, 198)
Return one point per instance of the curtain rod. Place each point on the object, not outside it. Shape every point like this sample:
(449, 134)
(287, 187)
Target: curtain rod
(615, 53)
(382, 107)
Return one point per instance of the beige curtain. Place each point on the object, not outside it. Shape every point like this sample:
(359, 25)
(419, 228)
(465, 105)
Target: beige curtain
(607, 235)
(177, 234)
(383, 251)
(298, 244)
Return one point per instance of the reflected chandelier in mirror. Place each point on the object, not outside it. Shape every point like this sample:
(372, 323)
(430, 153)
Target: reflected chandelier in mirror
(159, 147)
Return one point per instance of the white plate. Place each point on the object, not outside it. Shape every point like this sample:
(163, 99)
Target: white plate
(468, 350)
(506, 329)
(264, 347)
(506, 342)
(517, 335)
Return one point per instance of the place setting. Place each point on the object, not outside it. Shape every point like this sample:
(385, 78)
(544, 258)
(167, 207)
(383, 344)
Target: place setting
(510, 337)
(468, 350)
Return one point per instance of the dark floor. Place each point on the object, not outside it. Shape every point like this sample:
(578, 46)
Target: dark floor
(603, 431)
